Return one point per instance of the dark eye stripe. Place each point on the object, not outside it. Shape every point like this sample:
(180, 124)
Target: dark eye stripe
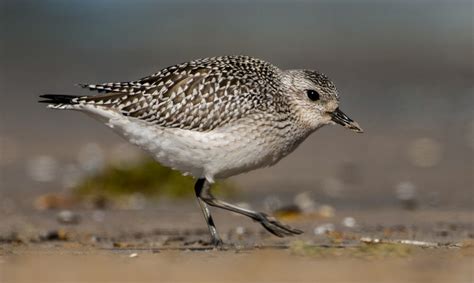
(312, 94)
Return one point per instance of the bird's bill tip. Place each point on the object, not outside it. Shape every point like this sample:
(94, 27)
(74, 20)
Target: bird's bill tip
(356, 128)
(338, 117)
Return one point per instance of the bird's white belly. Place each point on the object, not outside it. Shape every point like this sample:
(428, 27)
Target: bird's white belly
(218, 153)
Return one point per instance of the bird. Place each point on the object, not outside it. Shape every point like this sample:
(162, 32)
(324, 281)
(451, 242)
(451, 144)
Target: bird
(216, 117)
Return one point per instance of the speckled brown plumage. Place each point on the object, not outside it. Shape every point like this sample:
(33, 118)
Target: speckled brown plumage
(215, 118)
(198, 95)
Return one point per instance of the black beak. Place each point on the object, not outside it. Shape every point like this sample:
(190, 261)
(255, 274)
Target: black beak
(339, 117)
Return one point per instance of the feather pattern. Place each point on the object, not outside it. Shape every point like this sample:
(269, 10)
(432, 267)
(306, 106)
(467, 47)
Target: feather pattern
(198, 95)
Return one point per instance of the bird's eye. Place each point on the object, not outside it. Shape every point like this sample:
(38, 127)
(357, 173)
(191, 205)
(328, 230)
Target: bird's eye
(312, 94)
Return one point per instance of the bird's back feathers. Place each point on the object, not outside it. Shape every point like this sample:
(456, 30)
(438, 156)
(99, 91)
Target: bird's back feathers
(198, 95)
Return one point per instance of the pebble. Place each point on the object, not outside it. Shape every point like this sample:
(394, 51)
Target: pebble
(406, 194)
(240, 230)
(54, 235)
(349, 222)
(68, 217)
(324, 228)
(304, 202)
(326, 211)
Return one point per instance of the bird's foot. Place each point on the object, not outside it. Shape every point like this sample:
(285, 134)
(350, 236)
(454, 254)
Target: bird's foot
(276, 227)
(217, 243)
(214, 243)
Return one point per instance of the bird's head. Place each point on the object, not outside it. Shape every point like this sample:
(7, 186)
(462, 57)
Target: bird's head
(315, 99)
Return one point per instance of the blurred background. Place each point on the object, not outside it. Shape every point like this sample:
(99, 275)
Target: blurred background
(404, 70)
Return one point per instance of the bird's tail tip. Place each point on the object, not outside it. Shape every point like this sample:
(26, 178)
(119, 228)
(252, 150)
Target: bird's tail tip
(58, 101)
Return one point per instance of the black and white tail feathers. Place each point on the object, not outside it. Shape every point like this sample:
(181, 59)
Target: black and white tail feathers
(58, 99)
(63, 101)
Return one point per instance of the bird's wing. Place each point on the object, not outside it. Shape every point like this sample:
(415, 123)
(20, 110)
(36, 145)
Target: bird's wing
(199, 95)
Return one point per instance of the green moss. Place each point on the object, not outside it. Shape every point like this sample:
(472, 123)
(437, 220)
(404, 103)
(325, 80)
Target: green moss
(301, 248)
(384, 250)
(148, 178)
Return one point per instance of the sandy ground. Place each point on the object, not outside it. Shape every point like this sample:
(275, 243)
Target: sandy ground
(169, 244)
(261, 265)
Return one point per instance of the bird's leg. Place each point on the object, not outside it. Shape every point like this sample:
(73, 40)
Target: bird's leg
(268, 222)
(215, 238)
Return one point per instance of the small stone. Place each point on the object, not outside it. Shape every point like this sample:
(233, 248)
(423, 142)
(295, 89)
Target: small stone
(68, 217)
(349, 222)
(326, 211)
(54, 235)
(406, 194)
(324, 228)
(304, 202)
(240, 230)
(94, 239)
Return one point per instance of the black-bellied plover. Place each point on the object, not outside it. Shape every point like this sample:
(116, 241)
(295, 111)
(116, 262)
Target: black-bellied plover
(216, 117)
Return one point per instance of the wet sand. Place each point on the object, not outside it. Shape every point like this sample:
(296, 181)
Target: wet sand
(170, 245)
(267, 265)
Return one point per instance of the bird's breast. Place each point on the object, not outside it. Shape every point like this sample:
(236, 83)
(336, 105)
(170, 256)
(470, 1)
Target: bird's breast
(242, 146)
(254, 144)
